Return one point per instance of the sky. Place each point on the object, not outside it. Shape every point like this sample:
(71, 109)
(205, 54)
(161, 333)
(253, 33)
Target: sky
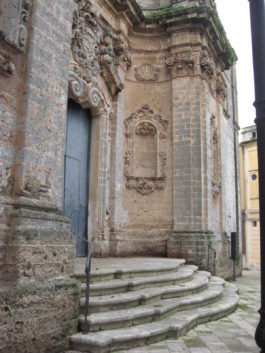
(234, 15)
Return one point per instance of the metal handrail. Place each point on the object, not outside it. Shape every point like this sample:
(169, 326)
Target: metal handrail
(214, 259)
(88, 271)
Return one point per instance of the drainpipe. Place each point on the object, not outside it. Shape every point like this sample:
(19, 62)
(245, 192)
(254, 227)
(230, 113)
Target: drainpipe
(235, 131)
(257, 18)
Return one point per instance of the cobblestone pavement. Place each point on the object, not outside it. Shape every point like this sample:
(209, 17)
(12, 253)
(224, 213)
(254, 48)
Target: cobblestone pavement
(233, 334)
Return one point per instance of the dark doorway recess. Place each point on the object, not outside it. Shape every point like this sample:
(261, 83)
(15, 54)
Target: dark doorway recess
(76, 172)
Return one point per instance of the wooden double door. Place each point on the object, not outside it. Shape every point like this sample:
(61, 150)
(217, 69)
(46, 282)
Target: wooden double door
(76, 173)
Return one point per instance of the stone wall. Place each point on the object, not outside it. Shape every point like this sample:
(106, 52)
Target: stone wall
(38, 297)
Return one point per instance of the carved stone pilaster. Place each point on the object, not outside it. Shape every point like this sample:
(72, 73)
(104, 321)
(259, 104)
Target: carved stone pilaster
(14, 15)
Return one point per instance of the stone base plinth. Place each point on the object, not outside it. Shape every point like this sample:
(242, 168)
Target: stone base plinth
(38, 296)
(199, 248)
(133, 243)
(38, 316)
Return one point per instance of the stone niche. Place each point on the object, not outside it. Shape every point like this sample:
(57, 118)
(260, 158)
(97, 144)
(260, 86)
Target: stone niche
(146, 151)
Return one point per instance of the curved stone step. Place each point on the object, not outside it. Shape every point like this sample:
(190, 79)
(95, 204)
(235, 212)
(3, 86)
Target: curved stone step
(135, 267)
(125, 285)
(146, 295)
(173, 326)
(151, 312)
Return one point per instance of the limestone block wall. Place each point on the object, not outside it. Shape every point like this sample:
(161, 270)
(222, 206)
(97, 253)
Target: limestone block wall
(187, 171)
(142, 215)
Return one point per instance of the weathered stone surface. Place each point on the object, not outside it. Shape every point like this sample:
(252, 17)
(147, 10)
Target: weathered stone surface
(36, 316)
(161, 137)
(143, 316)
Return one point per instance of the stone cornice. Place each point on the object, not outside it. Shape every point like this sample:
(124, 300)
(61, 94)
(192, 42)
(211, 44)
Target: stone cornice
(188, 13)
(130, 9)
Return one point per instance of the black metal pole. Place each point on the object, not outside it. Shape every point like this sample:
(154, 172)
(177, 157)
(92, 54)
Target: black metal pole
(257, 17)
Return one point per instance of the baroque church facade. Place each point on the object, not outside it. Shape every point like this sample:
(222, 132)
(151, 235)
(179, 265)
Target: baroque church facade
(118, 127)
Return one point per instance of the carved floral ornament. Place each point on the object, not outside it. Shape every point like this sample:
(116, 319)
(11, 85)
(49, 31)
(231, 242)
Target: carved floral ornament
(146, 151)
(95, 53)
(190, 63)
(180, 63)
(207, 68)
(147, 72)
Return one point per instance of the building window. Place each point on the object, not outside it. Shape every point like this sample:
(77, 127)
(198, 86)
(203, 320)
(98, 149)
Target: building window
(254, 224)
(254, 176)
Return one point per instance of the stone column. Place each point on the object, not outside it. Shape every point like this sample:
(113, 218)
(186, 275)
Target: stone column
(38, 296)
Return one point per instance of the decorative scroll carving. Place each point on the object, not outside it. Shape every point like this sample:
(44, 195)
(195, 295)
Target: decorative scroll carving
(207, 68)
(220, 87)
(88, 95)
(180, 64)
(146, 151)
(7, 67)
(147, 72)
(14, 14)
(94, 49)
(216, 184)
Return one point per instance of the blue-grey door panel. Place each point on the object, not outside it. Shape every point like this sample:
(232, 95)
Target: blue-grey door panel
(76, 181)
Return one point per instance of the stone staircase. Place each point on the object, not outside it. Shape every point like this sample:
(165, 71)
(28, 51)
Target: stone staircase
(139, 301)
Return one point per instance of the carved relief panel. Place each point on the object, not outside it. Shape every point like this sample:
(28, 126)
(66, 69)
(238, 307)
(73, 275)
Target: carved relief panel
(95, 53)
(220, 87)
(147, 72)
(14, 15)
(216, 184)
(146, 151)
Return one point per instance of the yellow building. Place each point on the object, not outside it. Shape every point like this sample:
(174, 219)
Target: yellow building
(249, 197)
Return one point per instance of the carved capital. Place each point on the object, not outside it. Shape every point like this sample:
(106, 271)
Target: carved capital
(180, 64)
